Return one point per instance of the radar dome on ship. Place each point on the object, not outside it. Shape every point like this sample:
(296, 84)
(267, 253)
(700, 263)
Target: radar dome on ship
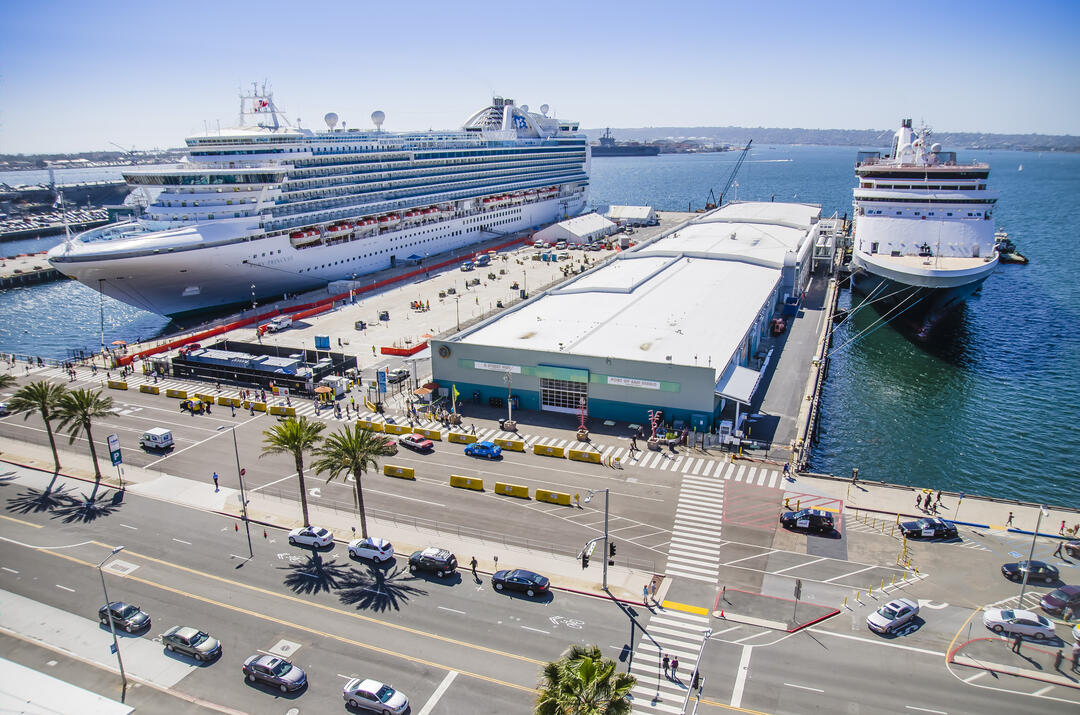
(377, 118)
(331, 120)
(935, 147)
(544, 109)
(524, 107)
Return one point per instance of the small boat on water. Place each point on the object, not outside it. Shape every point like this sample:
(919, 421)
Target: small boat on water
(1006, 249)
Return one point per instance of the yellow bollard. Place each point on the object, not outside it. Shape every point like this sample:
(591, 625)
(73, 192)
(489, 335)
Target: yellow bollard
(857, 597)
(870, 592)
(797, 503)
(894, 580)
(845, 601)
(882, 584)
(897, 518)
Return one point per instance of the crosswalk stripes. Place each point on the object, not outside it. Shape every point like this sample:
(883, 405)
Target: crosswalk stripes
(693, 551)
(674, 634)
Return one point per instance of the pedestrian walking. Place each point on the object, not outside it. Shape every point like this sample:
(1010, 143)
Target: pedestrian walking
(216, 489)
(473, 564)
(787, 468)
(937, 501)
(1057, 551)
(696, 684)
(1076, 656)
(675, 667)
(1061, 530)
(1018, 640)
(633, 445)
(1058, 657)
(918, 500)
(645, 595)
(1009, 521)
(667, 663)
(233, 408)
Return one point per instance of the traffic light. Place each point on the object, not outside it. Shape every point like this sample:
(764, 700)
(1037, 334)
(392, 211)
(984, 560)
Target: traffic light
(585, 559)
(611, 549)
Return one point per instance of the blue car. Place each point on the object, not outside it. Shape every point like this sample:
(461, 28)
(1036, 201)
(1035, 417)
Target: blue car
(483, 449)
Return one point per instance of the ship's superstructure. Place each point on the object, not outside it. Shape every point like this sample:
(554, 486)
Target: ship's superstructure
(924, 228)
(267, 208)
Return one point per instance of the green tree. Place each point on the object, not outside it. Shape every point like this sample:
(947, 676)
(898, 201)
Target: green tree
(352, 450)
(6, 381)
(77, 411)
(42, 397)
(294, 436)
(583, 682)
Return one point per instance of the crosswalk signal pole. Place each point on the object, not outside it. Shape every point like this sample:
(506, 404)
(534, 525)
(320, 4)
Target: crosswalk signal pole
(607, 495)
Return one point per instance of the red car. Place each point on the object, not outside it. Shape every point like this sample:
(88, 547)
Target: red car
(417, 442)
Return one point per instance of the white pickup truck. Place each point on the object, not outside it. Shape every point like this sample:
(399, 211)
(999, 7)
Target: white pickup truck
(279, 323)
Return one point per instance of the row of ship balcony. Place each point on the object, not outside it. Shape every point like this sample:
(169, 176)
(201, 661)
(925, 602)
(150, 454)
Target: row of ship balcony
(344, 231)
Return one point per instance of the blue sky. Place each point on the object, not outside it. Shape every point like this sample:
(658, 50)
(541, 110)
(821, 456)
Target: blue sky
(78, 75)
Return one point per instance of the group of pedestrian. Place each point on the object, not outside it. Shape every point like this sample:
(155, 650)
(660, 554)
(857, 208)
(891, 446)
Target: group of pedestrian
(928, 504)
(671, 666)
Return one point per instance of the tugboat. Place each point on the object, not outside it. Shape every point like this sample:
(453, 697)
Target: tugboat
(1006, 249)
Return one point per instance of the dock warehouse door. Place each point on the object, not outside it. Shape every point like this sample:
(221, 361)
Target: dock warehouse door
(563, 395)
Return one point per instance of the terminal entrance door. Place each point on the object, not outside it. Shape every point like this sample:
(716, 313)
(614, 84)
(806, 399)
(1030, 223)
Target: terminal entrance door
(563, 395)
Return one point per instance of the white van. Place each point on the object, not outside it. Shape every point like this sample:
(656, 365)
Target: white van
(157, 438)
(279, 323)
(338, 384)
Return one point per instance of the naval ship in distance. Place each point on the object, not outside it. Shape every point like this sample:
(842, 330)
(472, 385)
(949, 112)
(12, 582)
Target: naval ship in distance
(607, 146)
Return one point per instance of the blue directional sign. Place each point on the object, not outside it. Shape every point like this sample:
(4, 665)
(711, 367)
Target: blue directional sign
(382, 380)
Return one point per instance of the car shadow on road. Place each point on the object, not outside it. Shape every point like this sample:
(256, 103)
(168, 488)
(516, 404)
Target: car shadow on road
(269, 689)
(546, 597)
(313, 575)
(378, 589)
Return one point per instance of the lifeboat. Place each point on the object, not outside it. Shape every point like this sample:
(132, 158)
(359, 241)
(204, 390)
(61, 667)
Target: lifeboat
(384, 219)
(296, 234)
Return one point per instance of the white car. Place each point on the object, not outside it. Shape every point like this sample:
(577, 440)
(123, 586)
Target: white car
(1023, 622)
(311, 536)
(373, 695)
(374, 548)
(892, 615)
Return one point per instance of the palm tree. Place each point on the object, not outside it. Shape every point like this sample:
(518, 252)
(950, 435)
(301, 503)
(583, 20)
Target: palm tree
(583, 682)
(294, 436)
(351, 450)
(6, 381)
(44, 398)
(77, 410)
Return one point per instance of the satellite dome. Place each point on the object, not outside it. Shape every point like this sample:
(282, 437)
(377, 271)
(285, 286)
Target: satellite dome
(331, 120)
(377, 118)
(935, 147)
(544, 109)
(524, 107)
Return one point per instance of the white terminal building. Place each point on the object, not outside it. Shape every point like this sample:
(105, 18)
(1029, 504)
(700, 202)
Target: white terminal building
(578, 230)
(630, 215)
(675, 323)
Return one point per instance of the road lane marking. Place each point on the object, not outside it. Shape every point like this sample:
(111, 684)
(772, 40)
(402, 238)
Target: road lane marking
(5, 568)
(270, 484)
(1043, 691)
(887, 644)
(740, 676)
(434, 699)
(726, 630)
(182, 541)
(798, 566)
(70, 590)
(804, 687)
(830, 580)
(133, 528)
(452, 610)
(537, 630)
(20, 521)
(975, 677)
(926, 710)
(314, 631)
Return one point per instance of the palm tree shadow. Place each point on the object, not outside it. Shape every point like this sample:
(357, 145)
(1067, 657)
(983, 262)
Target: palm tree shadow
(36, 501)
(378, 589)
(89, 508)
(313, 575)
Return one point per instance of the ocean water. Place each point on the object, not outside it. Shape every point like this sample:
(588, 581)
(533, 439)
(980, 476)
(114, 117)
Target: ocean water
(989, 407)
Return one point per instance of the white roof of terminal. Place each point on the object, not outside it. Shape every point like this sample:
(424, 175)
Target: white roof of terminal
(586, 224)
(628, 212)
(690, 297)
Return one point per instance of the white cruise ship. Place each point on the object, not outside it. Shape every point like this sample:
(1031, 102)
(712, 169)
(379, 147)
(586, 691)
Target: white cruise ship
(924, 228)
(268, 208)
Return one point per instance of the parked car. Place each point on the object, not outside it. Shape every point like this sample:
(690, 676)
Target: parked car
(935, 528)
(274, 671)
(1072, 548)
(417, 442)
(373, 695)
(1015, 622)
(1059, 599)
(398, 374)
(809, 519)
(311, 536)
(526, 582)
(438, 561)
(4, 412)
(1036, 571)
(483, 449)
(124, 616)
(892, 615)
(374, 548)
(191, 641)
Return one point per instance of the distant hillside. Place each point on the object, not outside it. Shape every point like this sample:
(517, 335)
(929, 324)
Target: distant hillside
(863, 138)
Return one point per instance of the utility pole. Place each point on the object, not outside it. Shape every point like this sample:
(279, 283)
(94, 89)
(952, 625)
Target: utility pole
(706, 635)
(607, 495)
(243, 495)
(1038, 522)
(112, 623)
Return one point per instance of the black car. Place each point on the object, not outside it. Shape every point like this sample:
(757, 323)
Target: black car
(1036, 571)
(275, 671)
(1059, 599)
(125, 616)
(521, 580)
(809, 519)
(929, 529)
(438, 561)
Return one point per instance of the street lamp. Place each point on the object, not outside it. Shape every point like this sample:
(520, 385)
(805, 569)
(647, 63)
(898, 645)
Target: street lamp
(509, 425)
(607, 495)
(112, 624)
(707, 634)
(1043, 511)
(457, 311)
(243, 495)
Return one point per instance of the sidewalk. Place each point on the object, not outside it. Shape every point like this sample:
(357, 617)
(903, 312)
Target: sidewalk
(564, 571)
(1033, 661)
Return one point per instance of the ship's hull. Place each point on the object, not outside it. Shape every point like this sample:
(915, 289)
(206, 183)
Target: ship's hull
(919, 307)
(192, 281)
(625, 151)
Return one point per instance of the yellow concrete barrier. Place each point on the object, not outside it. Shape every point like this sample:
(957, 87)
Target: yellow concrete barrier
(547, 450)
(370, 425)
(205, 398)
(233, 401)
(513, 445)
(456, 480)
(581, 455)
(512, 490)
(432, 434)
(394, 429)
(117, 385)
(282, 410)
(259, 406)
(461, 438)
(150, 389)
(553, 497)
(391, 470)
(182, 394)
